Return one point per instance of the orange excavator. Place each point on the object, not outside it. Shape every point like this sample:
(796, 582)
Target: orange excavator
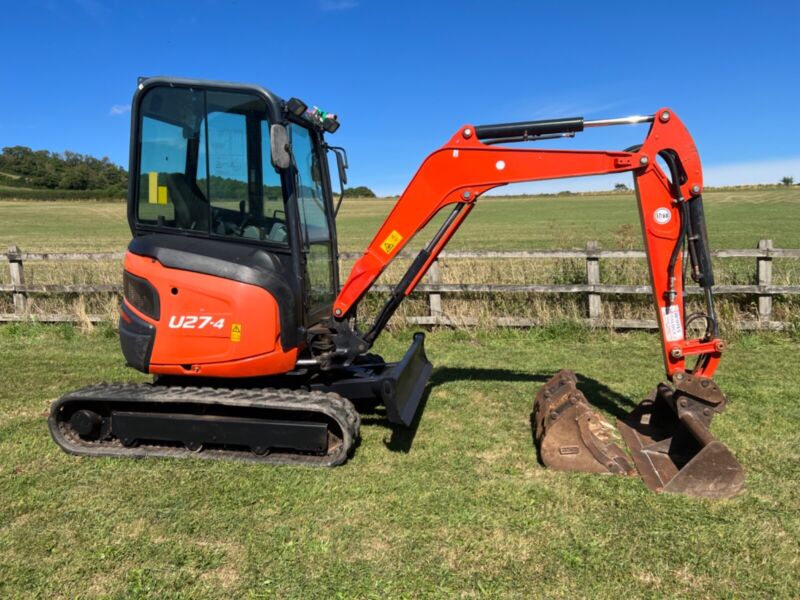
(232, 297)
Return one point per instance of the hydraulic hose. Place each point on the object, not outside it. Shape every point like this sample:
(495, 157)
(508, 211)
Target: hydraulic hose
(676, 251)
(687, 231)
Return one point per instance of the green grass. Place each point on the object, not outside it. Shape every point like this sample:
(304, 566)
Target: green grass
(77, 225)
(735, 219)
(461, 509)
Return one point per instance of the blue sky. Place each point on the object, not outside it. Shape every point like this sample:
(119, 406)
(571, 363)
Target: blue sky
(403, 76)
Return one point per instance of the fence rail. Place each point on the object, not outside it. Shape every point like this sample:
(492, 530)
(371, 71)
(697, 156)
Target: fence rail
(764, 290)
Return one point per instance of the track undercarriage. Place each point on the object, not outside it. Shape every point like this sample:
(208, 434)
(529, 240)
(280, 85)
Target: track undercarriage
(259, 425)
(304, 418)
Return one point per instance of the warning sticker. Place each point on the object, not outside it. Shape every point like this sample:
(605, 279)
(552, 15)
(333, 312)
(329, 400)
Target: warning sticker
(236, 332)
(671, 320)
(391, 241)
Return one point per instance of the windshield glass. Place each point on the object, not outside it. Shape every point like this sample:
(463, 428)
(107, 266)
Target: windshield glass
(204, 165)
(313, 211)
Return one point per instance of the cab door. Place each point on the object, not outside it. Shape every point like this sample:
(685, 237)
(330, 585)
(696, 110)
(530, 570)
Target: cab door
(314, 208)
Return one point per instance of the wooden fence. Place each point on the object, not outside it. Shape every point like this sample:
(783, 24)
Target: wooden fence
(763, 254)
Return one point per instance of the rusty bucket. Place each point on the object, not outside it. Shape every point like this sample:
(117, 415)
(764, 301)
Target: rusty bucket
(670, 442)
(667, 435)
(570, 435)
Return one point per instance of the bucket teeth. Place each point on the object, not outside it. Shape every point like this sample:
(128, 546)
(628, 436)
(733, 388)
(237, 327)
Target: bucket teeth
(570, 435)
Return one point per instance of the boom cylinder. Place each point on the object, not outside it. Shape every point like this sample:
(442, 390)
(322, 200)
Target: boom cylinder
(411, 274)
(529, 128)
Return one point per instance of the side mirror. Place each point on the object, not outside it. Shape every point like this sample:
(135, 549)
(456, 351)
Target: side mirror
(279, 147)
(341, 165)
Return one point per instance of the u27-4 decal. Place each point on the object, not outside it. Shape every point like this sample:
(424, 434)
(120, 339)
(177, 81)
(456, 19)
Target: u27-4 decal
(195, 322)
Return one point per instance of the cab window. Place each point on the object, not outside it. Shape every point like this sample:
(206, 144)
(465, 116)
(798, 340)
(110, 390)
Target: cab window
(313, 209)
(205, 165)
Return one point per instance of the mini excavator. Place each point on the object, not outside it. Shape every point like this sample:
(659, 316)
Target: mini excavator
(232, 297)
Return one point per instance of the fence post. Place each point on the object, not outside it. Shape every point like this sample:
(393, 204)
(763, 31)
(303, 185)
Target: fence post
(17, 278)
(764, 271)
(435, 300)
(593, 278)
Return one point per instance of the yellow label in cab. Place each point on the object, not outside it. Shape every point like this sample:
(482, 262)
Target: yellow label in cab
(236, 332)
(391, 241)
(152, 187)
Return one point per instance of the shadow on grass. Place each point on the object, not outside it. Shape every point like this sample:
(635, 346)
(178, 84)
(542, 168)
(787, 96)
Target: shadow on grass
(402, 438)
(603, 397)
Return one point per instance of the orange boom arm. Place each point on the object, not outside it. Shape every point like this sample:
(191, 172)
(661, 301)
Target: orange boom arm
(470, 164)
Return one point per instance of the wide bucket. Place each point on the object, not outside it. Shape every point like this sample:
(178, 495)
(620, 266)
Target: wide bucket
(671, 445)
(570, 435)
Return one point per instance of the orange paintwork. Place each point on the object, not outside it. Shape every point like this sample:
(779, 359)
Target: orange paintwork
(195, 331)
(459, 172)
(464, 168)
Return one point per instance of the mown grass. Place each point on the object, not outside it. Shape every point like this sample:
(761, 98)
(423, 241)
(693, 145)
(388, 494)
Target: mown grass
(457, 508)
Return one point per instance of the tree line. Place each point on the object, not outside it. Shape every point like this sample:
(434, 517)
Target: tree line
(22, 167)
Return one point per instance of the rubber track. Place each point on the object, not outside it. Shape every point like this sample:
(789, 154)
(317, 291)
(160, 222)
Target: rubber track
(332, 405)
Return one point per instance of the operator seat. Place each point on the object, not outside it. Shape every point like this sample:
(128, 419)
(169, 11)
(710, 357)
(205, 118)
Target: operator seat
(191, 207)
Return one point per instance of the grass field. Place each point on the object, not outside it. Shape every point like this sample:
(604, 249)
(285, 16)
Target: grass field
(736, 219)
(457, 508)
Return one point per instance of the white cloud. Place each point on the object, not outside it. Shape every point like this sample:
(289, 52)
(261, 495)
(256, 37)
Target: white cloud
(554, 110)
(769, 170)
(739, 173)
(120, 109)
(336, 5)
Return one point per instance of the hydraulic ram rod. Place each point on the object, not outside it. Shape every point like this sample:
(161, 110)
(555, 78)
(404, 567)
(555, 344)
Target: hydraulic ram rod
(533, 129)
(632, 120)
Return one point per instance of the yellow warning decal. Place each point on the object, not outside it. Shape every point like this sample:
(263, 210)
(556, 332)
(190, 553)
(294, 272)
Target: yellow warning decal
(163, 195)
(152, 187)
(236, 332)
(391, 241)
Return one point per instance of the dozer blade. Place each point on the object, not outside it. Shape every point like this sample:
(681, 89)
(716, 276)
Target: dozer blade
(570, 435)
(671, 444)
(404, 383)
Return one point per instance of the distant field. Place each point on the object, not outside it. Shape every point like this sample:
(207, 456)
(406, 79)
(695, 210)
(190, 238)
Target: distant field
(736, 219)
(70, 225)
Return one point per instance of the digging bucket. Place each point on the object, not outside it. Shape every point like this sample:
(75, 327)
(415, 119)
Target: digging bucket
(671, 445)
(570, 435)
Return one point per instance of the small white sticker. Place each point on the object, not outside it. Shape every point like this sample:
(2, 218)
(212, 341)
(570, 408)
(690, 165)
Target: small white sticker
(500, 165)
(671, 319)
(662, 216)
(455, 153)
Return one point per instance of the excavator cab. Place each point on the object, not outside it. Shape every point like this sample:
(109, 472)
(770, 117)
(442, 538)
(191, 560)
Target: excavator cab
(231, 193)
(202, 168)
